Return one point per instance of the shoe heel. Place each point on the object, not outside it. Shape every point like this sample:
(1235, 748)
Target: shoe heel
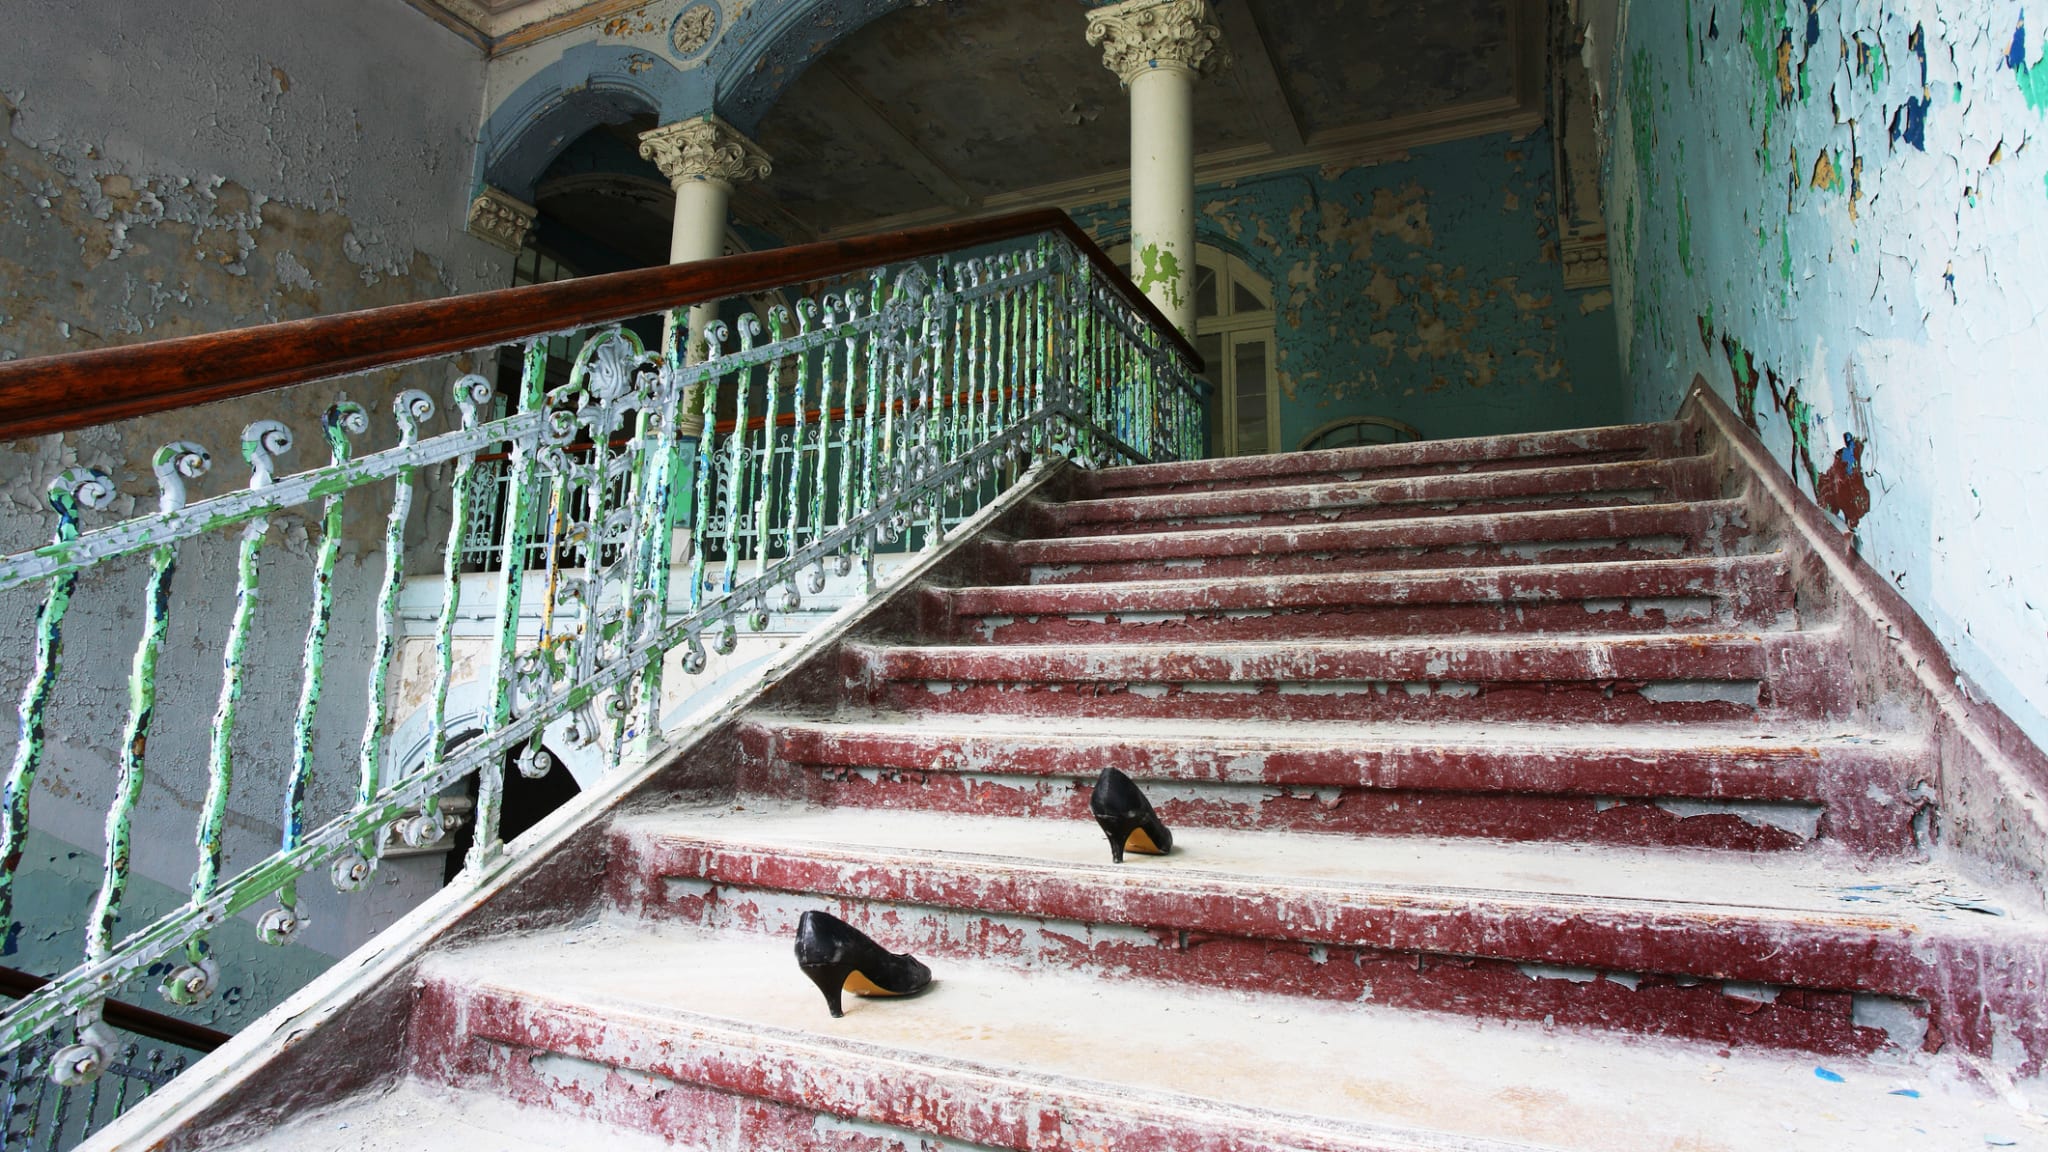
(831, 980)
(1119, 833)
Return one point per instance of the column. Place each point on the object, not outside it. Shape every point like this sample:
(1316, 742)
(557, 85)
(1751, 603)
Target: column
(703, 158)
(1157, 48)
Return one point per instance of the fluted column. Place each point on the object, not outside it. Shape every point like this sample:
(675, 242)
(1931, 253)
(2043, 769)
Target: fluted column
(1157, 48)
(702, 158)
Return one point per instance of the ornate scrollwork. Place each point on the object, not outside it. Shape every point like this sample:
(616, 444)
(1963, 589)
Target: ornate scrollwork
(262, 443)
(343, 419)
(704, 149)
(175, 463)
(1138, 36)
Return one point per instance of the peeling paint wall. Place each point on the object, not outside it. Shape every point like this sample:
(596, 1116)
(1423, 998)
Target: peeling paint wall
(1426, 289)
(1831, 209)
(167, 170)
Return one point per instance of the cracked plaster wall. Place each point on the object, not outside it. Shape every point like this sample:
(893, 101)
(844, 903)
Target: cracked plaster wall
(1831, 209)
(1425, 288)
(168, 170)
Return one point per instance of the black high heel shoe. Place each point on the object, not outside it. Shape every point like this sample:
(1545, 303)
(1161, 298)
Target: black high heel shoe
(1127, 817)
(837, 956)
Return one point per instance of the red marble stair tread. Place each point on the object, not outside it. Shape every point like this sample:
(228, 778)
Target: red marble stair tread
(1580, 482)
(1445, 455)
(1065, 1061)
(1760, 576)
(1691, 519)
(1825, 896)
(1722, 761)
(1722, 656)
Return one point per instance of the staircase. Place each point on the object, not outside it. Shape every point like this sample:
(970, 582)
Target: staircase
(1524, 793)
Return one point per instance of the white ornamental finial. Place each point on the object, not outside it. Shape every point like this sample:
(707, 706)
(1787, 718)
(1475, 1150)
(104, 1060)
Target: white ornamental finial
(1138, 36)
(704, 149)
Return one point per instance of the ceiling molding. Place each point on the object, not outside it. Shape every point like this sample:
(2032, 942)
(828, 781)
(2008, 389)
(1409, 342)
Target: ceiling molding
(1347, 147)
(500, 26)
(1258, 78)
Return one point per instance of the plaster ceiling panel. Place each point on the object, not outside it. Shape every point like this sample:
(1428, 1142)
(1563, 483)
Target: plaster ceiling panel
(825, 174)
(1351, 62)
(1006, 94)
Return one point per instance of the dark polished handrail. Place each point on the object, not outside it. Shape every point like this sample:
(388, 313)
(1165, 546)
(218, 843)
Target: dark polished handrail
(15, 984)
(80, 389)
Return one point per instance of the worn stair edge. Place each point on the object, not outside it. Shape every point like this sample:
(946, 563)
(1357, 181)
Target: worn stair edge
(1719, 522)
(1752, 589)
(955, 1100)
(1655, 439)
(1795, 660)
(1689, 478)
(1063, 1061)
(1716, 790)
(1981, 978)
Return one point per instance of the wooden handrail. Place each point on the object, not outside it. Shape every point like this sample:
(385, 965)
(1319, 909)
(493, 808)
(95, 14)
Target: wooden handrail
(78, 390)
(15, 984)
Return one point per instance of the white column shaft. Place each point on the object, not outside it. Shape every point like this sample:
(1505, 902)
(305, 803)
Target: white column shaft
(1163, 190)
(698, 233)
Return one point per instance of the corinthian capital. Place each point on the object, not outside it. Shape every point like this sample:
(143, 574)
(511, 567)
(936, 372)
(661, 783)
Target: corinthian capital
(1138, 36)
(704, 149)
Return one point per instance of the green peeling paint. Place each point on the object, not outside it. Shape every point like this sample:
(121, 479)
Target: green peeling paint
(1161, 269)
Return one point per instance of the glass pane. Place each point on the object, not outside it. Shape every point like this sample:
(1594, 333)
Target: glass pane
(1244, 301)
(1205, 291)
(1252, 385)
(1211, 348)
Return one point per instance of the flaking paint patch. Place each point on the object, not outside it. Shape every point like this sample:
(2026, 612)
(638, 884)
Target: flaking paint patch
(1884, 361)
(1425, 288)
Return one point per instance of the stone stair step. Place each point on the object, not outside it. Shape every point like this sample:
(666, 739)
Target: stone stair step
(1532, 489)
(1697, 785)
(415, 1115)
(1579, 535)
(710, 1037)
(1736, 949)
(1554, 677)
(1689, 593)
(1426, 457)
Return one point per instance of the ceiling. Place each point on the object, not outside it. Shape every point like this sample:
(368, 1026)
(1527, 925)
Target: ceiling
(972, 106)
(953, 108)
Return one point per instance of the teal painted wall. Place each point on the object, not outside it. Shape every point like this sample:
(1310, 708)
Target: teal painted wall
(1426, 289)
(1831, 209)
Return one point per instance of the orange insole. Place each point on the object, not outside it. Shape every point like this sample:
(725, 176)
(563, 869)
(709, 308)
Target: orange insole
(1142, 844)
(860, 985)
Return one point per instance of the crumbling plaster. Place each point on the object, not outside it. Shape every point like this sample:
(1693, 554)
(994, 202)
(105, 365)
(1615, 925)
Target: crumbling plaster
(1830, 209)
(168, 170)
(1426, 289)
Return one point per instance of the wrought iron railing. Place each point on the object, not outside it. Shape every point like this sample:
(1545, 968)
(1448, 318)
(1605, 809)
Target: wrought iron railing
(915, 393)
(39, 1115)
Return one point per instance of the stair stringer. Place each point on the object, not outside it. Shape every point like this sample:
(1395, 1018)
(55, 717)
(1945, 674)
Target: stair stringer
(348, 1031)
(1987, 781)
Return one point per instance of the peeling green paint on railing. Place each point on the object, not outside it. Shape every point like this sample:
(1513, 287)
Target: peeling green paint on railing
(886, 412)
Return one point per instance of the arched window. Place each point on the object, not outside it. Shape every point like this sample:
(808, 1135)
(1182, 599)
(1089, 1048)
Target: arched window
(1234, 333)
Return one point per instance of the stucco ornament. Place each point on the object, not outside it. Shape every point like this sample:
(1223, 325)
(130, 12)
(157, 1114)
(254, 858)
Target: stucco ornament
(692, 31)
(704, 149)
(1138, 36)
(500, 220)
